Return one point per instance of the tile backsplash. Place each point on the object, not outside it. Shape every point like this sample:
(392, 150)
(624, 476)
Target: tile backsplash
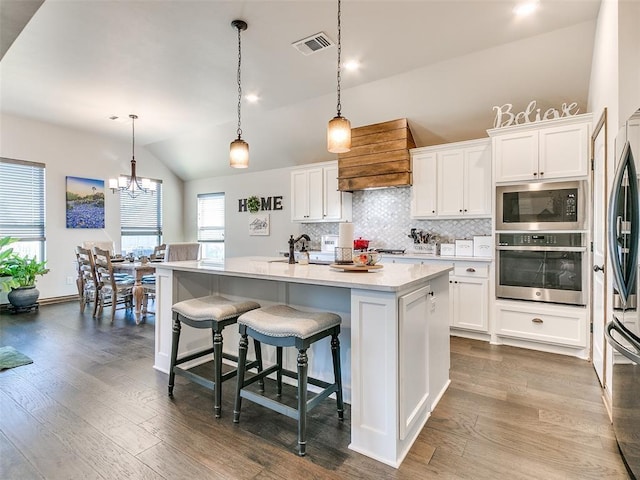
(383, 217)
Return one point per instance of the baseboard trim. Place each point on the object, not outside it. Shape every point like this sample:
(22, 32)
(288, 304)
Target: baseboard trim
(46, 301)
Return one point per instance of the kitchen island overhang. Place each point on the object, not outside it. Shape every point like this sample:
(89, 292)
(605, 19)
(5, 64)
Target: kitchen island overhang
(395, 334)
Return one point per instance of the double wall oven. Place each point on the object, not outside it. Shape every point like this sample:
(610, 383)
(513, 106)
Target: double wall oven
(541, 245)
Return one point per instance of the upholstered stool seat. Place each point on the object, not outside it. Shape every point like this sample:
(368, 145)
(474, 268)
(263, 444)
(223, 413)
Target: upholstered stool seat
(214, 312)
(284, 326)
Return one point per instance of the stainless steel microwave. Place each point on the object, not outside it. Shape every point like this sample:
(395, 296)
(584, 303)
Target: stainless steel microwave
(542, 206)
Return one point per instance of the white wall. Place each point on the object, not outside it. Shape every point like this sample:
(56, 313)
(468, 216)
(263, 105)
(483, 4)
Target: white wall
(67, 152)
(261, 184)
(629, 58)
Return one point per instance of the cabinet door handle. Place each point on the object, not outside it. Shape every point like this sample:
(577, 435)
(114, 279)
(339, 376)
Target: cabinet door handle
(431, 293)
(460, 210)
(471, 270)
(541, 173)
(598, 268)
(537, 320)
(433, 211)
(535, 174)
(465, 209)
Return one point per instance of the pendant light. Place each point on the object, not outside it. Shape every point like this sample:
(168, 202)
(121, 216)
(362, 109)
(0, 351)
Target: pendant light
(132, 185)
(239, 149)
(339, 128)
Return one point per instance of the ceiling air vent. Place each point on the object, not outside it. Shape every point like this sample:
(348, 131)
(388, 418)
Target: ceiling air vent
(313, 44)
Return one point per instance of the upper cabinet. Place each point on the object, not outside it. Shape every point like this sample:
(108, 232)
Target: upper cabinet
(545, 150)
(315, 196)
(452, 180)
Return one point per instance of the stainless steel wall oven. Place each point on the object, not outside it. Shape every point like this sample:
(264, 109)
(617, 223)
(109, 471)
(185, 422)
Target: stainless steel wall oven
(543, 267)
(542, 206)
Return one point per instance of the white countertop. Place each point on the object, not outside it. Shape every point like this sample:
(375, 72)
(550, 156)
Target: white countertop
(392, 277)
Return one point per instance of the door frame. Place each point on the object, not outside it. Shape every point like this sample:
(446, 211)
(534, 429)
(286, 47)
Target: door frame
(600, 127)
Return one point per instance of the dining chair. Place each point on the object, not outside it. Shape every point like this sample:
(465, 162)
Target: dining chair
(149, 281)
(87, 281)
(158, 252)
(103, 244)
(113, 289)
(182, 251)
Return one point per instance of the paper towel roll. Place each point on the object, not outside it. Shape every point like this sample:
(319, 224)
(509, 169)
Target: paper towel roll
(345, 235)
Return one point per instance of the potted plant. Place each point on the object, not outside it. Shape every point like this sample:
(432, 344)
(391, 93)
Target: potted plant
(19, 274)
(6, 280)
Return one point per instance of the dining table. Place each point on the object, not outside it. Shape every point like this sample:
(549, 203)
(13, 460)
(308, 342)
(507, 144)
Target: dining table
(138, 270)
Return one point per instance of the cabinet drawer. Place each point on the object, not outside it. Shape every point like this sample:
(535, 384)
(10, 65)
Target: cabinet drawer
(563, 327)
(466, 270)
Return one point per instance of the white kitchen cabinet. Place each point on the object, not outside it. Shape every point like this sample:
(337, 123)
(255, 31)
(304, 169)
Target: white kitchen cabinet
(452, 180)
(469, 297)
(545, 323)
(424, 191)
(315, 196)
(545, 150)
(468, 292)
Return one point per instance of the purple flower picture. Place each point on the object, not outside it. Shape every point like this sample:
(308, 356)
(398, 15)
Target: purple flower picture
(85, 203)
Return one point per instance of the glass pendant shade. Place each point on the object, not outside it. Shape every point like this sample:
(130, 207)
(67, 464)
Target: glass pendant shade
(239, 154)
(339, 135)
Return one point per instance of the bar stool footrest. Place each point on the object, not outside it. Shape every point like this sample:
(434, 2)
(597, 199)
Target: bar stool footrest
(193, 356)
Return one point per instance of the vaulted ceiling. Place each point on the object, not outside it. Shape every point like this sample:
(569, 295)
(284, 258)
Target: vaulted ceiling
(441, 64)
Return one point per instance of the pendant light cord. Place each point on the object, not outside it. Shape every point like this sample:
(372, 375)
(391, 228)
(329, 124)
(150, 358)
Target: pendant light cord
(239, 83)
(339, 106)
(133, 137)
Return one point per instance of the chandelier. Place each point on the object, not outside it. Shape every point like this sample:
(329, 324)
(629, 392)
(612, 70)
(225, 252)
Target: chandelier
(339, 128)
(132, 185)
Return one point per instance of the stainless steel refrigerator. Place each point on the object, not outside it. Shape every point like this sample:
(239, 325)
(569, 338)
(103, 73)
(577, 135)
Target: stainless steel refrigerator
(623, 331)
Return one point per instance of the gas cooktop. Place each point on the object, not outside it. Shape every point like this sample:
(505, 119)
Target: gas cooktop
(390, 251)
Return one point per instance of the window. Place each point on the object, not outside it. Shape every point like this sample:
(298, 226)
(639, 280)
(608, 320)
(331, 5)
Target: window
(22, 214)
(211, 225)
(141, 222)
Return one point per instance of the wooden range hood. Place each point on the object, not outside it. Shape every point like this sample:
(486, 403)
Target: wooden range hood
(379, 157)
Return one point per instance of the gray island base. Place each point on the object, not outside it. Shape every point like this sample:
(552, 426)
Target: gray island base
(394, 338)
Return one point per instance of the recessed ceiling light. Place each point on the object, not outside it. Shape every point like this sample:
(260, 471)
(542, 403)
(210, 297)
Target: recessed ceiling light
(252, 98)
(352, 65)
(526, 8)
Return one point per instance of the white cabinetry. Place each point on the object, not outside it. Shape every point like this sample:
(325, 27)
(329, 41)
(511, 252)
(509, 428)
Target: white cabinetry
(469, 296)
(315, 196)
(452, 180)
(423, 191)
(542, 151)
(549, 324)
(469, 291)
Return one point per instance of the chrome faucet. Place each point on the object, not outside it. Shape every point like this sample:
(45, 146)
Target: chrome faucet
(292, 243)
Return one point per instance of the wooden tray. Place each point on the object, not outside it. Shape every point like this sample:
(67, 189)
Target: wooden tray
(355, 268)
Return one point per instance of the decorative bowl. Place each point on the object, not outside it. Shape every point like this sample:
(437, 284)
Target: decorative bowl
(366, 258)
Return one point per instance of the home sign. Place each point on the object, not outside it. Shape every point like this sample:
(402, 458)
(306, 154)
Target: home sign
(269, 203)
(505, 117)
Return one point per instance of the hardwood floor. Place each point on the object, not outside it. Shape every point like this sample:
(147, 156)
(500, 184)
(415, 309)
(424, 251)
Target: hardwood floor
(91, 406)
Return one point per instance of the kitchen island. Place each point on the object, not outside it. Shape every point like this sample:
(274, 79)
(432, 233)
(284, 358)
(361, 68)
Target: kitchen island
(394, 338)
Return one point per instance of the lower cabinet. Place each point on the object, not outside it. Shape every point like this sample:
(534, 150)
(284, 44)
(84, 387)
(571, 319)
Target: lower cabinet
(549, 324)
(469, 296)
(468, 292)
(468, 303)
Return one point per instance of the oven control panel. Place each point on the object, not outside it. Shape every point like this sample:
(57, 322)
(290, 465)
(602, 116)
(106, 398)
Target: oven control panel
(540, 239)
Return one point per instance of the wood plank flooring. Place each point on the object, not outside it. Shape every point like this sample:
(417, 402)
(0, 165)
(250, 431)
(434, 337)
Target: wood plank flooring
(92, 407)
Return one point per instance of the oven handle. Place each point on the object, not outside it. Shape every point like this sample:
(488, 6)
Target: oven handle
(542, 248)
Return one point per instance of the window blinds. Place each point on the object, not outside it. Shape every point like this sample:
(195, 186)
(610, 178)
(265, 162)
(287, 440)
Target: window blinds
(142, 215)
(211, 217)
(22, 198)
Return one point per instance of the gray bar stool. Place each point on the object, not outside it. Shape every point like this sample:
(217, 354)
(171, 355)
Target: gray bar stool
(283, 326)
(214, 312)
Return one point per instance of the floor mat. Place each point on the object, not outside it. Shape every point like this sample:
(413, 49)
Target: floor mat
(10, 358)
